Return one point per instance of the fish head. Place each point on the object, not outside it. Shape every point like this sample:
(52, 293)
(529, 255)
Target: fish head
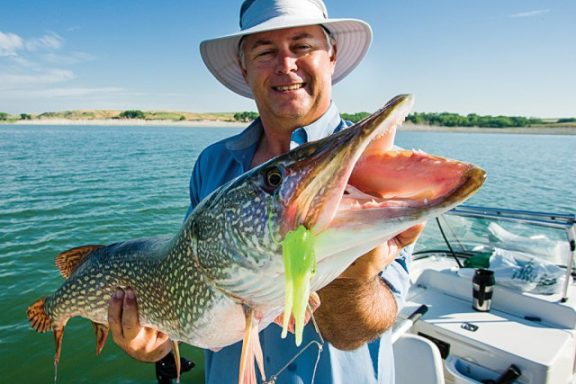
(352, 191)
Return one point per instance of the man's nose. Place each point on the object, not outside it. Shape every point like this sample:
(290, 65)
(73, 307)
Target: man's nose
(286, 62)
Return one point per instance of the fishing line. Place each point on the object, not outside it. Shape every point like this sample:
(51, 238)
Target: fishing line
(272, 379)
(320, 346)
(447, 242)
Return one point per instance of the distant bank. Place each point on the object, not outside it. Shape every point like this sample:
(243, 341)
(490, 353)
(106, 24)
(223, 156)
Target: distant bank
(435, 122)
(210, 123)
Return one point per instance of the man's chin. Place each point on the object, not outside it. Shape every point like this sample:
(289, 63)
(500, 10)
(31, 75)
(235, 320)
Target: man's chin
(293, 109)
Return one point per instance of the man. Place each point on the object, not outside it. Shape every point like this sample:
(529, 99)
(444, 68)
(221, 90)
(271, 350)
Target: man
(286, 57)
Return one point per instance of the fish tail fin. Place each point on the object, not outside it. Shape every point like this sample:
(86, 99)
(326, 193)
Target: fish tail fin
(37, 316)
(251, 350)
(69, 260)
(101, 332)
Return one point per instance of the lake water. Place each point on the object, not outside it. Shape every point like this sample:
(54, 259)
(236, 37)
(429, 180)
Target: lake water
(65, 186)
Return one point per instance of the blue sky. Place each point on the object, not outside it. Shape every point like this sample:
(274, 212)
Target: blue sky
(510, 57)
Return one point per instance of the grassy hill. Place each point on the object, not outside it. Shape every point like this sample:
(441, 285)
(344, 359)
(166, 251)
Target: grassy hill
(117, 114)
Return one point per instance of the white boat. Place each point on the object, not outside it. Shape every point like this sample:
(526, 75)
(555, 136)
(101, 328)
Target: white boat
(529, 333)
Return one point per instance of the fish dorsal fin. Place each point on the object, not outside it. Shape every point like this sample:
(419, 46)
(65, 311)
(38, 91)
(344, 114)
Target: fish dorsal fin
(68, 261)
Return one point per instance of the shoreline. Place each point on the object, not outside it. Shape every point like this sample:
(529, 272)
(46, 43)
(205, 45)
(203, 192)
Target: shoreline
(131, 122)
(538, 130)
(407, 127)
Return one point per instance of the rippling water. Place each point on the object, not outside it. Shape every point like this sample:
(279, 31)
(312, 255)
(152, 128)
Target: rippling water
(66, 186)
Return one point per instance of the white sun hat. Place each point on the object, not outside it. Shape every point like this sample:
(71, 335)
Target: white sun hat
(353, 37)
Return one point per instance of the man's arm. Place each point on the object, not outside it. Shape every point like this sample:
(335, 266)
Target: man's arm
(359, 305)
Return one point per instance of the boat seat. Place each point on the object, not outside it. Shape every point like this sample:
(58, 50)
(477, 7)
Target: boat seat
(417, 361)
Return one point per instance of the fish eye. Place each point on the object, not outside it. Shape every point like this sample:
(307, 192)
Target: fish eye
(273, 179)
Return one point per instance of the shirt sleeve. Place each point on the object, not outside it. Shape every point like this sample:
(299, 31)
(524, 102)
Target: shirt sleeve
(195, 185)
(396, 277)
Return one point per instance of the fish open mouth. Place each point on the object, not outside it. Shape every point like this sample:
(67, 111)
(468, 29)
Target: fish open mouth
(390, 183)
(357, 177)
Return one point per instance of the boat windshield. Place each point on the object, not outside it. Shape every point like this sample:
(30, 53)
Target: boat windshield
(469, 231)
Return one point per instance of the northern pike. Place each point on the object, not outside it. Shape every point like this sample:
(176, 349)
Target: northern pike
(218, 280)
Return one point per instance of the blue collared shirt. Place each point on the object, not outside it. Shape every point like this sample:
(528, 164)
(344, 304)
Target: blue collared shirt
(371, 363)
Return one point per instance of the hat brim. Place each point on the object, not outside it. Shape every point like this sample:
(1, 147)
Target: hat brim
(353, 38)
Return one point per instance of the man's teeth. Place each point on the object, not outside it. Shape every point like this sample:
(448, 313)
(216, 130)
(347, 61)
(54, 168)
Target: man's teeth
(289, 87)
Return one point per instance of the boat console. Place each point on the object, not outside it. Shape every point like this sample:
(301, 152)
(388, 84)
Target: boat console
(526, 336)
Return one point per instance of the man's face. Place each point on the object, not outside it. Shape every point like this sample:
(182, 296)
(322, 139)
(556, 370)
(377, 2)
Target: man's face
(290, 73)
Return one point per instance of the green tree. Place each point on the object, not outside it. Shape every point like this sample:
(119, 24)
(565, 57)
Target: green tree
(3, 116)
(132, 114)
(25, 116)
(355, 117)
(416, 118)
(245, 116)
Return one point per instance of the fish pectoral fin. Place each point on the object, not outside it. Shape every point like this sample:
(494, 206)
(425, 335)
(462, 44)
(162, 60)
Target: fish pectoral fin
(251, 350)
(101, 332)
(176, 353)
(58, 334)
(68, 261)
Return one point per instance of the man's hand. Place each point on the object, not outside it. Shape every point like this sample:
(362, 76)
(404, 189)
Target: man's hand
(142, 343)
(357, 306)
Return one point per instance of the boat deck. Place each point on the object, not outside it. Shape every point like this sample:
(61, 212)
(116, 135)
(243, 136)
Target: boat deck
(536, 333)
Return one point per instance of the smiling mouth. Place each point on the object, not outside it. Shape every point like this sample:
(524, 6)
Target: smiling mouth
(292, 87)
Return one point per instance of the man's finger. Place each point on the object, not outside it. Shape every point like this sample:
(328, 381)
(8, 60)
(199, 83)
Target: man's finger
(115, 313)
(314, 301)
(130, 324)
(410, 235)
(161, 337)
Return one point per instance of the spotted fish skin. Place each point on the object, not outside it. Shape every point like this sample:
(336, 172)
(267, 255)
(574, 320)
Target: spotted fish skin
(172, 293)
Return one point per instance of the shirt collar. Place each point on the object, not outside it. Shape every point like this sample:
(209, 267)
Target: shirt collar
(243, 145)
(319, 129)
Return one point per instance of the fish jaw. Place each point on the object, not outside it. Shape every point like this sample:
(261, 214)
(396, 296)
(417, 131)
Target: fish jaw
(388, 193)
(324, 167)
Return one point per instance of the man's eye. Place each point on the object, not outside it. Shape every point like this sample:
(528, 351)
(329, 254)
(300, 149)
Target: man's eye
(264, 54)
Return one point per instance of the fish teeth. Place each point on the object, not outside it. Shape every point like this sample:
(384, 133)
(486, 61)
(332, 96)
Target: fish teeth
(384, 132)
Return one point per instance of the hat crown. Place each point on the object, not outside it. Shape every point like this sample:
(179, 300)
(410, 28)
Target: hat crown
(255, 12)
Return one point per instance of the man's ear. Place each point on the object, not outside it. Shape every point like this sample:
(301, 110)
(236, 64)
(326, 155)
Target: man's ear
(333, 57)
(334, 52)
(243, 71)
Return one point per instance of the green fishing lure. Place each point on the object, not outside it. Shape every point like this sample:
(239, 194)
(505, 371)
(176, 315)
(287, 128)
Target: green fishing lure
(299, 265)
